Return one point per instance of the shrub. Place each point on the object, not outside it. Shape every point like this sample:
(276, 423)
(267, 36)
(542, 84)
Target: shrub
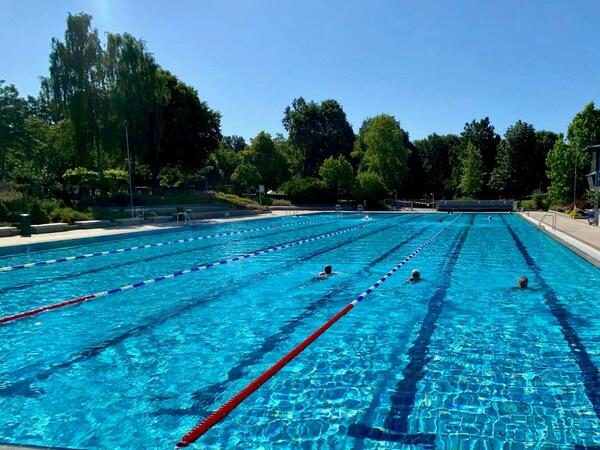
(68, 215)
(369, 186)
(4, 212)
(540, 200)
(280, 202)
(239, 201)
(38, 214)
(308, 190)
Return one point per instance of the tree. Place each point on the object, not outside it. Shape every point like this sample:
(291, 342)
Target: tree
(483, 136)
(545, 141)
(318, 131)
(13, 114)
(380, 147)
(245, 177)
(234, 142)
(371, 187)
(337, 174)
(263, 154)
(76, 74)
(501, 179)
(560, 171)
(192, 130)
(472, 171)
(436, 154)
(584, 130)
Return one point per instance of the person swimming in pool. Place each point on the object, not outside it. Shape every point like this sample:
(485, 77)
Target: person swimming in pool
(326, 273)
(523, 283)
(415, 276)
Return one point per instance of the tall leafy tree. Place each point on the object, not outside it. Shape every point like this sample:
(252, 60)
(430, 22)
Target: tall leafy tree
(436, 154)
(264, 154)
(192, 130)
(234, 142)
(560, 171)
(76, 79)
(318, 131)
(381, 150)
(501, 179)
(13, 115)
(471, 179)
(583, 130)
(545, 141)
(481, 134)
(337, 174)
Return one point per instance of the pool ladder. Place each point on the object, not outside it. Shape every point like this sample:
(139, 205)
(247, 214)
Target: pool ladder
(551, 214)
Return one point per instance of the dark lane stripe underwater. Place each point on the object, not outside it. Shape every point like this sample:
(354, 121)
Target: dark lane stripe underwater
(589, 372)
(402, 401)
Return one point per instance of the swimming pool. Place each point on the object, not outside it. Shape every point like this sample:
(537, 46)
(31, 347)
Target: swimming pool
(456, 361)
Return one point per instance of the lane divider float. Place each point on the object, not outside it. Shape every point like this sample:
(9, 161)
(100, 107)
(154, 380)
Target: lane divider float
(220, 413)
(155, 244)
(85, 298)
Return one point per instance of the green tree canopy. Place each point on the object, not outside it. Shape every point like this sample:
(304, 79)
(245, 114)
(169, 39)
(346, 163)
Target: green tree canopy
(583, 130)
(471, 180)
(245, 177)
(481, 134)
(380, 147)
(436, 154)
(318, 131)
(371, 187)
(560, 171)
(264, 154)
(337, 174)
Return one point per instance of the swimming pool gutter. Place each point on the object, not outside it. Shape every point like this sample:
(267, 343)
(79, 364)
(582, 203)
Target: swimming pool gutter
(590, 254)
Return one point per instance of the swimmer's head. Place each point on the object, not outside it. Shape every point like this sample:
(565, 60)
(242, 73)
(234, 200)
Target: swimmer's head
(415, 274)
(328, 270)
(523, 282)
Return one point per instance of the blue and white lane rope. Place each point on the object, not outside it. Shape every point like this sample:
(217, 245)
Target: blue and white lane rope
(85, 298)
(220, 413)
(155, 244)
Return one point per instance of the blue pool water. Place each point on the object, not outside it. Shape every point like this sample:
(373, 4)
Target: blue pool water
(456, 361)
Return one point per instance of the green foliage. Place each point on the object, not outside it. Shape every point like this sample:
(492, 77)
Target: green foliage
(435, 152)
(307, 191)
(540, 200)
(484, 137)
(381, 145)
(318, 131)
(337, 174)
(560, 172)
(593, 196)
(371, 187)
(264, 155)
(68, 215)
(38, 214)
(239, 201)
(472, 171)
(583, 130)
(245, 177)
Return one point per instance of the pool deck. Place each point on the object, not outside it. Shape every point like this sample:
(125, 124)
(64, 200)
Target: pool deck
(576, 234)
(122, 231)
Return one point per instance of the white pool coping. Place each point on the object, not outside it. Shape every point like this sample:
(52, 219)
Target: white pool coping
(582, 249)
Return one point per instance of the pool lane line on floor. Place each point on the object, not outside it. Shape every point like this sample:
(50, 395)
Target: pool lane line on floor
(396, 427)
(24, 388)
(68, 276)
(220, 413)
(86, 298)
(151, 245)
(207, 396)
(589, 371)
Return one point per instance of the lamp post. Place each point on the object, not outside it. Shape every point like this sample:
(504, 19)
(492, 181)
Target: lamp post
(125, 124)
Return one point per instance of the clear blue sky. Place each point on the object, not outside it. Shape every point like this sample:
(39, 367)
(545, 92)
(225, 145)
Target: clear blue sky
(432, 64)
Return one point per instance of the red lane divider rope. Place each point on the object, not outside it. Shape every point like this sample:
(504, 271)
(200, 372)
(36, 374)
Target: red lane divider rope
(220, 413)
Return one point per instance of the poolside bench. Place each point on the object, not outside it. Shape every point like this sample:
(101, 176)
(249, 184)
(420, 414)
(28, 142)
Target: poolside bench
(86, 224)
(49, 228)
(8, 231)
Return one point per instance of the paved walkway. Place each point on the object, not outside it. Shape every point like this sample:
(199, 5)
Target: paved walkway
(576, 233)
(124, 230)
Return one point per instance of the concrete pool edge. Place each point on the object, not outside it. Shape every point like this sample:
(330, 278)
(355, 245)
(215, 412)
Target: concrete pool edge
(15, 245)
(585, 251)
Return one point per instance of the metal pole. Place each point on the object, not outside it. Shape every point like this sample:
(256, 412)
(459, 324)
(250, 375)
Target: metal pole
(575, 183)
(129, 165)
